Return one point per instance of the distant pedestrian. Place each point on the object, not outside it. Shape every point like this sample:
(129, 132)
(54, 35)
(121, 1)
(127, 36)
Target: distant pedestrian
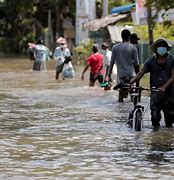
(63, 59)
(94, 62)
(40, 56)
(106, 62)
(134, 40)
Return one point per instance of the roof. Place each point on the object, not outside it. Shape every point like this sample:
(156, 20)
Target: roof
(124, 8)
(97, 24)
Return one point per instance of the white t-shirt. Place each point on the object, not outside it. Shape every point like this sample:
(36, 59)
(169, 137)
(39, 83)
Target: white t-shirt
(59, 56)
(107, 60)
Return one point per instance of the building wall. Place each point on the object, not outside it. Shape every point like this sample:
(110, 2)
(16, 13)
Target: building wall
(85, 11)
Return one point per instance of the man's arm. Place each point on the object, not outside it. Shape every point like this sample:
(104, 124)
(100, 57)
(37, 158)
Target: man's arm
(137, 77)
(137, 68)
(85, 69)
(168, 83)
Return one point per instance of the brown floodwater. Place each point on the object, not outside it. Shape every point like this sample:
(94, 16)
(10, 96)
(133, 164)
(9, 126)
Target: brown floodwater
(65, 130)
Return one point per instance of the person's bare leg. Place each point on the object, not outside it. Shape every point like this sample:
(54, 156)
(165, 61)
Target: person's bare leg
(57, 75)
(91, 83)
(120, 96)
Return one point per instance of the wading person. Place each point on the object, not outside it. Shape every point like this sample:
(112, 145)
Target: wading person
(161, 69)
(106, 62)
(134, 40)
(62, 57)
(40, 56)
(125, 56)
(94, 61)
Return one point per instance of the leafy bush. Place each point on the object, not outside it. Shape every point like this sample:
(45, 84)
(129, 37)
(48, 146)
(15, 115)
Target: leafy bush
(81, 52)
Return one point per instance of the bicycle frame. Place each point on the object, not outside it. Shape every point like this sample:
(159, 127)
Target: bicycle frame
(135, 119)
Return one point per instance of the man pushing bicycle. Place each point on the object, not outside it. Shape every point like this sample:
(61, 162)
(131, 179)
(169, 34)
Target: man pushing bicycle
(161, 69)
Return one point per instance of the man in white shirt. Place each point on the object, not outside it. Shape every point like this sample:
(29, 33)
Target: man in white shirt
(107, 59)
(62, 57)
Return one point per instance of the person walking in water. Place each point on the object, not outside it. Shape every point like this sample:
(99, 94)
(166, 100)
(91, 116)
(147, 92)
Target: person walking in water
(125, 56)
(40, 55)
(94, 61)
(106, 62)
(63, 59)
(161, 69)
(134, 40)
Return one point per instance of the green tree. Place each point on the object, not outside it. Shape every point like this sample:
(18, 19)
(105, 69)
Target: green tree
(158, 5)
(15, 25)
(25, 21)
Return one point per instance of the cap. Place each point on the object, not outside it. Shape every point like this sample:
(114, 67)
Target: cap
(160, 40)
(61, 40)
(134, 36)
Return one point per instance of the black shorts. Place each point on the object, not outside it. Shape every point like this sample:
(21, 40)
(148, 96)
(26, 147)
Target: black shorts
(124, 92)
(94, 77)
(37, 66)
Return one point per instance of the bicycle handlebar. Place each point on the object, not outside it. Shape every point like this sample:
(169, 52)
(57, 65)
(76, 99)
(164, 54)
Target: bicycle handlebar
(146, 89)
(127, 86)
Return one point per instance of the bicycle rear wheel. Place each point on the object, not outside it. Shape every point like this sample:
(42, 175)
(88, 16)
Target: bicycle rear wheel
(138, 121)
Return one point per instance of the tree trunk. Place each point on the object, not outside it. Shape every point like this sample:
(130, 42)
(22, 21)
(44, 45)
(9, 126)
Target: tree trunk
(150, 28)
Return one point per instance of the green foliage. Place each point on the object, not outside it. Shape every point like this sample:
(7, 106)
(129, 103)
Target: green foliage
(160, 30)
(30, 37)
(161, 4)
(19, 14)
(82, 51)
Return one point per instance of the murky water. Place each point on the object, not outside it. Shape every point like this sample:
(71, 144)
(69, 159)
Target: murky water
(66, 130)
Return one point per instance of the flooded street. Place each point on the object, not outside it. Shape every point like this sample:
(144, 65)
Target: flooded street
(65, 130)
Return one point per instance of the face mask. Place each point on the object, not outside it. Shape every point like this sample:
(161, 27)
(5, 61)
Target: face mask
(162, 51)
(104, 52)
(63, 46)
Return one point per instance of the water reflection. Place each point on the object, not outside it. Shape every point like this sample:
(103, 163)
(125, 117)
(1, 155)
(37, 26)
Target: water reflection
(66, 130)
(160, 146)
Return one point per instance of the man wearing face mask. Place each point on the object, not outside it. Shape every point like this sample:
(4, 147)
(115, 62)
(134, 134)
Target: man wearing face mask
(62, 57)
(161, 69)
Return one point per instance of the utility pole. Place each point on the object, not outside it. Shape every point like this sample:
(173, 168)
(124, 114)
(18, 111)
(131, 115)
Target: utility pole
(150, 24)
(105, 7)
(50, 33)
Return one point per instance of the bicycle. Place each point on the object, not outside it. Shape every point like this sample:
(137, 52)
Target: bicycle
(135, 117)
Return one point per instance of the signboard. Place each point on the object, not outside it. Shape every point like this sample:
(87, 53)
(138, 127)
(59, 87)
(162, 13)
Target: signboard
(140, 15)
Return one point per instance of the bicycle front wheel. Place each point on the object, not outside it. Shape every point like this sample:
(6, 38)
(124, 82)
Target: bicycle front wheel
(138, 121)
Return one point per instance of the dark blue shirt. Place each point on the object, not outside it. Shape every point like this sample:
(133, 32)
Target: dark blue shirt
(159, 73)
